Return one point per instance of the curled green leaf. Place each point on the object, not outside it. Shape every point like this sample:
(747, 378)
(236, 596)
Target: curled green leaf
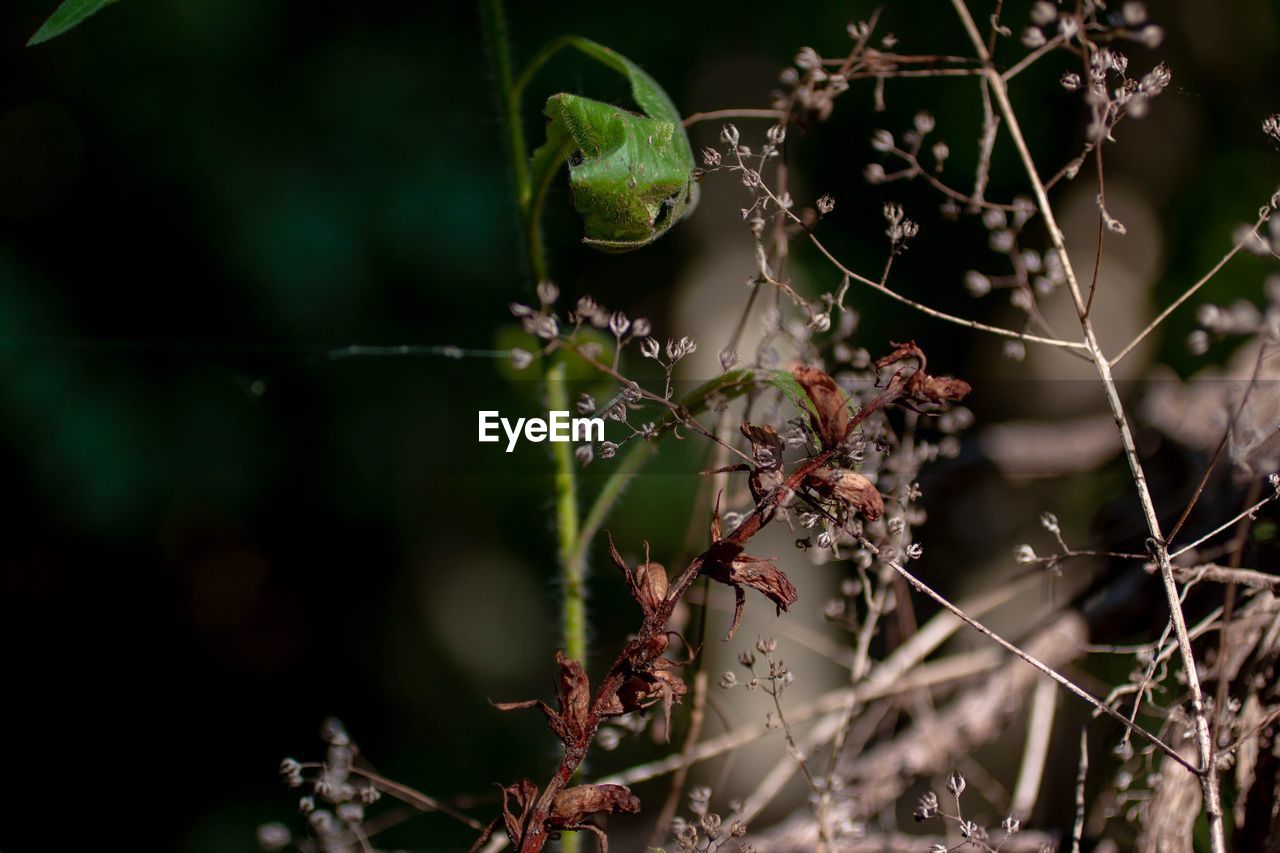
(632, 175)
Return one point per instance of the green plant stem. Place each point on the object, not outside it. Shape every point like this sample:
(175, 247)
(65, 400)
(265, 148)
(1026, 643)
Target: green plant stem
(572, 561)
(495, 23)
(572, 558)
(572, 564)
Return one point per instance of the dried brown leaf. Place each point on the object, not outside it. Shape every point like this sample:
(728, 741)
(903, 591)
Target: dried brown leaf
(829, 401)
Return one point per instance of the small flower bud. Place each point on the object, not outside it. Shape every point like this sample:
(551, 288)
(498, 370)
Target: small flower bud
(619, 324)
(291, 770)
(976, 283)
(548, 292)
(927, 807)
(274, 836)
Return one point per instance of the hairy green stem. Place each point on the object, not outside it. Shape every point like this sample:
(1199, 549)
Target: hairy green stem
(572, 558)
(572, 563)
(495, 24)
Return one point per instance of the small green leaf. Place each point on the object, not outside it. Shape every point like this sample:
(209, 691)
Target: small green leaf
(632, 175)
(68, 15)
(787, 384)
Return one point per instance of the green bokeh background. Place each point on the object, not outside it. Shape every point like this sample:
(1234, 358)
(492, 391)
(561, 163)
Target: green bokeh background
(199, 200)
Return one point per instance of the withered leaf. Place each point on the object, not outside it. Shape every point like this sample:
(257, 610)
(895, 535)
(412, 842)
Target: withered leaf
(922, 388)
(650, 686)
(570, 722)
(766, 445)
(902, 352)
(575, 694)
(829, 401)
(849, 488)
(727, 564)
(524, 792)
(939, 390)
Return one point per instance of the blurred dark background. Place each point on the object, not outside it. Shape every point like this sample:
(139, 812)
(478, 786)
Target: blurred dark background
(214, 534)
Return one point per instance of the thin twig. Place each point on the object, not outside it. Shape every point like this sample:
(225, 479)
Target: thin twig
(1225, 574)
(1224, 526)
(940, 315)
(1070, 685)
(1209, 776)
(1082, 775)
(1190, 291)
(716, 115)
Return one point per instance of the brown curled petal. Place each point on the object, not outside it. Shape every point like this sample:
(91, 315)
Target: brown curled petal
(849, 488)
(575, 694)
(763, 482)
(829, 401)
(669, 698)
(524, 792)
(728, 565)
(938, 389)
(902, 352)
(616, 557)
(766, 445)
(654, 649)
(612, 707)
(633, 694)
(739, 604)
(762, 575)
(573, 805)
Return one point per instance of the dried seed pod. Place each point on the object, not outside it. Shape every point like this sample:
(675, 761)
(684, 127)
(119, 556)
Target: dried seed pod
(849, 488)
(573, 805)
(650, 585)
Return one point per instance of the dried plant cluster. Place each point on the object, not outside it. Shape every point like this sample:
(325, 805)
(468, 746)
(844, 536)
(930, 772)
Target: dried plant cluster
(813, 432)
